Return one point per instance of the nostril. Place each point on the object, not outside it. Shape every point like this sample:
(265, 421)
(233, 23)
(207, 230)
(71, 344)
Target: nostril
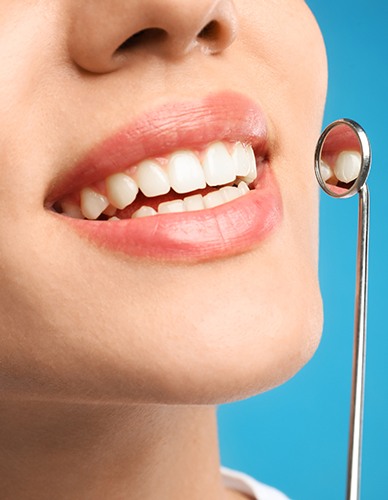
(210, 32)
(143, 37)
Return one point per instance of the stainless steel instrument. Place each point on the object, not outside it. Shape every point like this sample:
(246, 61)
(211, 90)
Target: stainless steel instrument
(342, 164)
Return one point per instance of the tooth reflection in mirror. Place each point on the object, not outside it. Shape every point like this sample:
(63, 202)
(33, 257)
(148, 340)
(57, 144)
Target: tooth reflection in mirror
(342, 159)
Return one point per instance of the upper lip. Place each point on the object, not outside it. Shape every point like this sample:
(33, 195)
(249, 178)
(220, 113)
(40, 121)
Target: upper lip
(193, 124)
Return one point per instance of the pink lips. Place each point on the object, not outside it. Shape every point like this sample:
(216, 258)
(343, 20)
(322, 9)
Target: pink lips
(213, 233)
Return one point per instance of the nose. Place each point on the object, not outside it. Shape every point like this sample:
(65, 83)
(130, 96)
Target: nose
(104, 34)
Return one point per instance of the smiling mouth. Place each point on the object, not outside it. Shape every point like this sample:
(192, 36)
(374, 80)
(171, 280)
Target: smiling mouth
(187, 181)
(218, 174)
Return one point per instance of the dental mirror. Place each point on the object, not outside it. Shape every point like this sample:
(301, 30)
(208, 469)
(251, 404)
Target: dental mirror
(342, 163)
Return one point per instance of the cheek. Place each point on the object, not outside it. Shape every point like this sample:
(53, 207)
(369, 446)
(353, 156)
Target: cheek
(296, 56)
(283, 43)
(283, 54)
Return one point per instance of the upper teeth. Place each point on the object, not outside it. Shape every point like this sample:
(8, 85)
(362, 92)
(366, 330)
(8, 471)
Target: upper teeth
(218, 165)
(121, 190)
(326, 171)
(183, 172)
(348, 165)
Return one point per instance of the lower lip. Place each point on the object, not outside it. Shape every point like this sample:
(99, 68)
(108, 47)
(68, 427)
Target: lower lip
(229, 229)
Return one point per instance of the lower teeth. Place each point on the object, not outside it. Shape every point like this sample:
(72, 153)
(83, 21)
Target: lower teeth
(190, 203)
(194, 202)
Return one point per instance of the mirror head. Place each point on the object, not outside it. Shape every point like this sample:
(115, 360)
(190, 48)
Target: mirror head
(342, 158)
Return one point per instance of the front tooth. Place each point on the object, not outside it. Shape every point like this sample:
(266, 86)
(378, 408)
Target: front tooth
(252, 174)
(93, 203)
(144, 212)
(348, 165)
(240, 157)
(213, 199)
(230, 193)
(185, 172)
(71, 209)
(121, 190)
(170, 207)
(218, 165)
(152, 179)
(326, 172)
(193, 203)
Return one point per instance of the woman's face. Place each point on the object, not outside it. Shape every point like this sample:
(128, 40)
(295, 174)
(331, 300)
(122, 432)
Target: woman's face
(202, 306)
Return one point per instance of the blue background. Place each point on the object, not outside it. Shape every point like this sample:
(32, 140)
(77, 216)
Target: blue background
(295, 437)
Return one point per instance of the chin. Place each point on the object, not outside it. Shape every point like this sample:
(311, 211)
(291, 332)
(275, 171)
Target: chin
(212, 365)
(233, 365)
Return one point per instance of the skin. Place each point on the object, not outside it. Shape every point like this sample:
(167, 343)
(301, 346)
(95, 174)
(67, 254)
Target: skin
(112, 367)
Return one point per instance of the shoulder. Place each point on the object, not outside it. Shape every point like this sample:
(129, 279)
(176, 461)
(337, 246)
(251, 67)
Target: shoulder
(243, 483)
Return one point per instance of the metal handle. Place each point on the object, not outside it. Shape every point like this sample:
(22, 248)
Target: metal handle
(359, 349)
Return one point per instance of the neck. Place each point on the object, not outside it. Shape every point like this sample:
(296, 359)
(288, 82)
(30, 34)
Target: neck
(77, 451)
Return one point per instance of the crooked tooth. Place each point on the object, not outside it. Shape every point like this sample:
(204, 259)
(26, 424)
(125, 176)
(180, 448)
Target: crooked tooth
(121, 190)
(193, 203)
(240, 157)
(152, 179)
(326, 171)
(230, 193)
(185, 172)
(252, 174)
(213, 199)
(348, 165)
(93, 203)
(218, 165)
(143, 212)
(170, 207)
(71, 209)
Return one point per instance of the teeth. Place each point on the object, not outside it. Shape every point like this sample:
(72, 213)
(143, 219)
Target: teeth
(218, 165)
(241, 160)
(170, 207)
(193, 203)
(121, 190)
(92, 203)
(326, 171)
(252, 174)
(348, 165)
(185, 172)
(230, 193)
(152, 179)
(243, 187)
(213, 199)
(71, 209)
(144, 212)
